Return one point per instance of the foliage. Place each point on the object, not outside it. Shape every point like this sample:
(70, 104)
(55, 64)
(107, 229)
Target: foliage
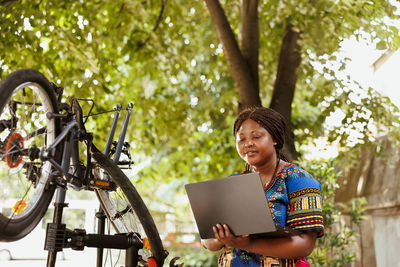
(323, 85)
(169, 63)
(98, 50)
(341, 221)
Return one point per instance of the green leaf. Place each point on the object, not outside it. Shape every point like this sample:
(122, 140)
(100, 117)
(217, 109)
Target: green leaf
(381, 45)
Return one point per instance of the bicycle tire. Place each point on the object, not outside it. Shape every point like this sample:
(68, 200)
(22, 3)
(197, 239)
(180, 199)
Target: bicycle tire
(26, 98)
(126, 223)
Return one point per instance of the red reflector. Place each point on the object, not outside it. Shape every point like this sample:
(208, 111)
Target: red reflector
(152, 262)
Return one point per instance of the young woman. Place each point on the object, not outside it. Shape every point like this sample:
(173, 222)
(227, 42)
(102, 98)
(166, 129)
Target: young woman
(293, 195)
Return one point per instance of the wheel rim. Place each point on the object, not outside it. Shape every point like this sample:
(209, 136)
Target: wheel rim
(28, 103)
(119, 211)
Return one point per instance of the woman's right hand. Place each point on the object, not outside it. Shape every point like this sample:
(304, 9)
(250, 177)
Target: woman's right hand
(224, 235)
(212, 244)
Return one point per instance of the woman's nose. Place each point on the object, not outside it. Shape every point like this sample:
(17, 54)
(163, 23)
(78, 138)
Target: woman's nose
(249, 143)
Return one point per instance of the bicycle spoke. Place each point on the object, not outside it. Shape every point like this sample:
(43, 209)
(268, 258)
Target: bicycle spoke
(10, 153)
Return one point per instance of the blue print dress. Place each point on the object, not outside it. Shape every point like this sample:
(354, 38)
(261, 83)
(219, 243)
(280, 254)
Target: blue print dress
(294, 198)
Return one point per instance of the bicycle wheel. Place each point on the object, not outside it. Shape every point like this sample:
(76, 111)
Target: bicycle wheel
(25, 192)
(125, 208)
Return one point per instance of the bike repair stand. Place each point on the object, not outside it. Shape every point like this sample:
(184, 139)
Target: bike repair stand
(55, 232)
(59, 237)
(101, 226)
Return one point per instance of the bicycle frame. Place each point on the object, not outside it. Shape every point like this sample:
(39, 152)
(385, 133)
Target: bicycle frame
(69, 138)
(51, 164)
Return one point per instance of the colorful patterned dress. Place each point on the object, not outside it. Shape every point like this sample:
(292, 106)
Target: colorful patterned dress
(294, 198)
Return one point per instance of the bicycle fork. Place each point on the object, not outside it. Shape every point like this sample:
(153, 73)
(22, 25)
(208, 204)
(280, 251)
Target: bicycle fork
(131, 253)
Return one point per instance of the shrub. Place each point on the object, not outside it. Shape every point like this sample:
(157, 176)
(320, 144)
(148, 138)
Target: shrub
(195, 257)
(336, 247)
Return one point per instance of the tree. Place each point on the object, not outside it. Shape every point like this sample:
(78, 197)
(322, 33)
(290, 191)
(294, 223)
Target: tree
(302, 21)
(170, 62)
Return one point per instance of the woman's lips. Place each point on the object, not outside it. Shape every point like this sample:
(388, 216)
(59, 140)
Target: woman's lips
(250, 153)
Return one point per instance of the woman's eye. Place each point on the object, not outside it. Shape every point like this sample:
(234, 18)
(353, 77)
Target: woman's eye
(239, 140)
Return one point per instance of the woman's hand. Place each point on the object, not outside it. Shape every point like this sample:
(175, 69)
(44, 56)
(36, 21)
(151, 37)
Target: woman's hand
(293, 247)
(223, 234)
(212, 244)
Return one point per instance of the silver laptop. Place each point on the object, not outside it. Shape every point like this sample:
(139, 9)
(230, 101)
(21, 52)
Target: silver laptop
(238, 201)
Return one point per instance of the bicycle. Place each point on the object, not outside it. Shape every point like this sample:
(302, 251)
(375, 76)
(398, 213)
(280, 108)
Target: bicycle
(39, 156)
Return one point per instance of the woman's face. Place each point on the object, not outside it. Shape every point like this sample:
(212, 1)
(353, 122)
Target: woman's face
(255, 144)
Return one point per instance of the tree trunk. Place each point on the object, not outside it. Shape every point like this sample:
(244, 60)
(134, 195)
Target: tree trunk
(251, 42)
(241, 66)
(244, 63)
(285, 84)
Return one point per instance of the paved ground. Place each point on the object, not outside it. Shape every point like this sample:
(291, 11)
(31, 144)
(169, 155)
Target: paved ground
(40, 263)
(86, 258)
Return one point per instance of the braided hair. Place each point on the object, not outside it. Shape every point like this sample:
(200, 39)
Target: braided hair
(270, 120)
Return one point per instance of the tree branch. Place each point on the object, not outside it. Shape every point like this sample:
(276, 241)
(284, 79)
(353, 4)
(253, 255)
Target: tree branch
(163, 4)
(157, 24)
(241, 72)
(7, 1)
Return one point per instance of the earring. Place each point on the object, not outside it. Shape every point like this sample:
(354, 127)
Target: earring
(248, 168)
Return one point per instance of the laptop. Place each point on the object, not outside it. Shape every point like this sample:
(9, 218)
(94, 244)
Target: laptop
(238, 201)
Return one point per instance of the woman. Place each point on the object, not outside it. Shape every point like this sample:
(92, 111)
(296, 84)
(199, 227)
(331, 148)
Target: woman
(294, 197)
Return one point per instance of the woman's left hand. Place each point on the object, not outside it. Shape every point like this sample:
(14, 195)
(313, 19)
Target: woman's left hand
(223, 234)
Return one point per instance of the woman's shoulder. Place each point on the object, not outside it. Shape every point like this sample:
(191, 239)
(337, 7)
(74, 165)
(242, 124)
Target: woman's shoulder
(299, 178)
(293, 171)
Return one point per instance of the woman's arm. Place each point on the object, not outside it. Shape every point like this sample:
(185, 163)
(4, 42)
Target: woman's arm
(293, 247)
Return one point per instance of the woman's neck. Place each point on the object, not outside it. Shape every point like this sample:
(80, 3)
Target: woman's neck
(269, 170)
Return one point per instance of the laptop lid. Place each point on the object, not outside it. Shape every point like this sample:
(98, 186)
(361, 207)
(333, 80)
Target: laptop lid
(238, 201)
